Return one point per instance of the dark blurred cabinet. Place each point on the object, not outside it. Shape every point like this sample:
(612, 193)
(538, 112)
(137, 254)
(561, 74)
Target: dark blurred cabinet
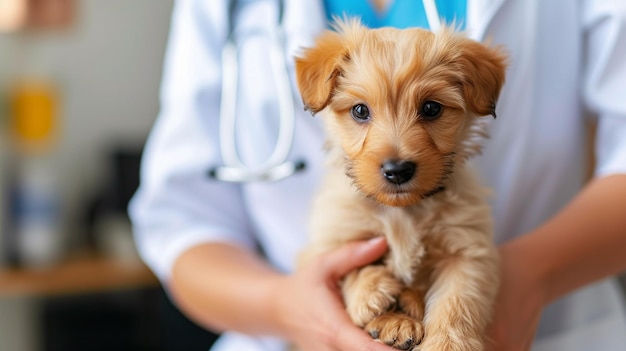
(123, 321)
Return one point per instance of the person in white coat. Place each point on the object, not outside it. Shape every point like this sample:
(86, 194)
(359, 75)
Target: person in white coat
(225, 251)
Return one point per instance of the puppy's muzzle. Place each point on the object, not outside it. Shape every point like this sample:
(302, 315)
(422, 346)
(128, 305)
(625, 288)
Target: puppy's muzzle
(398, 171)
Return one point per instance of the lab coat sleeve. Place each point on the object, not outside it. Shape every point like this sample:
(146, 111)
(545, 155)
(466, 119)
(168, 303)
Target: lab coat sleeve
(177, 205)
(604, 91)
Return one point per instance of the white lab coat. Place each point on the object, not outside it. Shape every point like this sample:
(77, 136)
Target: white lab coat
(568, 58)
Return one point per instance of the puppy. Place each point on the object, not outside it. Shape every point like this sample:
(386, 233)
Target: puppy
(402, 111)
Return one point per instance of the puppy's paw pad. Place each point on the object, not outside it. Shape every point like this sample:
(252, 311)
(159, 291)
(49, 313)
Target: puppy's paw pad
(397, 330)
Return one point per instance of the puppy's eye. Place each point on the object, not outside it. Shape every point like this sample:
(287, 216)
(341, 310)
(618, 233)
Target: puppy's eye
(360, 113)
(431, 110)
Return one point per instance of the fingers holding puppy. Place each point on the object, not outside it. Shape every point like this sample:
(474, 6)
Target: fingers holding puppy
(312, 313)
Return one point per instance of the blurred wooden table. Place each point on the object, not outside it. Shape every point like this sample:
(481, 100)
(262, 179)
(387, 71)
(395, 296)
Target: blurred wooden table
(86, 274)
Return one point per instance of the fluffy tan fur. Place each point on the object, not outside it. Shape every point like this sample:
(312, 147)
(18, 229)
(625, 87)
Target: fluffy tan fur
(434, 289)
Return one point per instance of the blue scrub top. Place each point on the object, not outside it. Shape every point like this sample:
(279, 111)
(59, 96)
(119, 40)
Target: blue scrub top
(399, 14)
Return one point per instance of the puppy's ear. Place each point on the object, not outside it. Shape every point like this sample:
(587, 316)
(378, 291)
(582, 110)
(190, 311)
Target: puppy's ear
(484, 71)
(318, 68)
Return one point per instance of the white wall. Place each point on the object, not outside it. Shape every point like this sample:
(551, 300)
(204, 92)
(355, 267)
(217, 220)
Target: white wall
(108, 66)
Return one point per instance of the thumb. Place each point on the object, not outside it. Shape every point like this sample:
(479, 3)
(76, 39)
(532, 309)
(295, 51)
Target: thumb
(352, 255)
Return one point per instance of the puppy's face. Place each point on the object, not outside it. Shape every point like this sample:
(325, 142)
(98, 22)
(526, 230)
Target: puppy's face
(399, 103)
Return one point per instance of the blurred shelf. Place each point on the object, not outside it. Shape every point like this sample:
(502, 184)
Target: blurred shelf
(90, 274)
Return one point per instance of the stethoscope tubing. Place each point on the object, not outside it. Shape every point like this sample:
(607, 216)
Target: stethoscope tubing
(277, 166)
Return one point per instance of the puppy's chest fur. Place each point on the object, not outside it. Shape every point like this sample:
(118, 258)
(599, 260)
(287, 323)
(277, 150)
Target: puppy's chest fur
(420, 236)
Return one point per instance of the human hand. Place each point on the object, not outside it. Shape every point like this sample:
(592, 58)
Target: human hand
(309, 303)
(519, 303)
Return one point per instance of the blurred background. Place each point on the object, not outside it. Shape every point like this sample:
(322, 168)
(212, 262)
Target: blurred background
(79, 83)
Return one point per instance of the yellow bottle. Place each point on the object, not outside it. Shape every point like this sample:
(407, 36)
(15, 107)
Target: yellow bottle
(33, 111)
(35, 216)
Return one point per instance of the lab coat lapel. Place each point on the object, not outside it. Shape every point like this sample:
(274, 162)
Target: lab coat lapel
(480, 15)
(303, 21)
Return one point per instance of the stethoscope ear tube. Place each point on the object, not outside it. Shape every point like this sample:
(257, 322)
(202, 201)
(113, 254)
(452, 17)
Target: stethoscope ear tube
(228, 104)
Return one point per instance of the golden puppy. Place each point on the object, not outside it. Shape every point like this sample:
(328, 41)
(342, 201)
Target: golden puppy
(402, 109)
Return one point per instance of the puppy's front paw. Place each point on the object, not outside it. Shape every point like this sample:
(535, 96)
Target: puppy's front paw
(369, 293)
(396, 329)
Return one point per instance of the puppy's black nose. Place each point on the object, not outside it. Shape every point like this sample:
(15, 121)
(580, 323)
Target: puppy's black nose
(398, 172)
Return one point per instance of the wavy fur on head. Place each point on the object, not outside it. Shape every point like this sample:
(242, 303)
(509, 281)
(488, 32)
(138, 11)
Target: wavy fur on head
(440, 276)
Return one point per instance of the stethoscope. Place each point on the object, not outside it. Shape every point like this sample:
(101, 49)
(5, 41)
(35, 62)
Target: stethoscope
(277, 166)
